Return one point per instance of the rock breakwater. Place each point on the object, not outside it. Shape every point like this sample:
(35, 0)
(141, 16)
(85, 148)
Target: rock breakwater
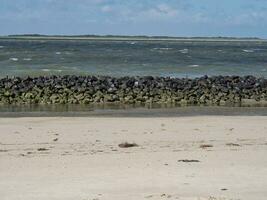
(217, 90)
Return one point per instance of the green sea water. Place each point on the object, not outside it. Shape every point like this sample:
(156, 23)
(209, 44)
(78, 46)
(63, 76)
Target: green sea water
(132, 58)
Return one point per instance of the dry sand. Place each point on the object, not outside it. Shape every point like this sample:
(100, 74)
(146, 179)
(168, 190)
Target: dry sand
(200, 158)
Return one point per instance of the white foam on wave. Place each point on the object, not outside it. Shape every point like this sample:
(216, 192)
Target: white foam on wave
(259, 49)
(50, 70)
(58, 52)
(27, 59)
(1, 47)
(248, 50)
(164, 49)
(183, 51)
(14, 59)
(68, 53)
(193, 66)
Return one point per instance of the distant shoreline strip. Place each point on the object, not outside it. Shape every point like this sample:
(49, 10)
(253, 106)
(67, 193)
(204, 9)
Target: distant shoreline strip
(129, 39)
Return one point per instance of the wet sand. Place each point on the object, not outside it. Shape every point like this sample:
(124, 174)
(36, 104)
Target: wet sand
(200, 158)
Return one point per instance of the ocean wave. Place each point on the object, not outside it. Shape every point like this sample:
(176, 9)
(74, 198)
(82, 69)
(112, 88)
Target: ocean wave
(193, 66)
(58, 52)
(259, 49)
(1, 47)
(68, 53)
(163, 48)
(46, 70)
(52, 70)
(248, 50)
(27, 59)
(183, 51)
(14, 59)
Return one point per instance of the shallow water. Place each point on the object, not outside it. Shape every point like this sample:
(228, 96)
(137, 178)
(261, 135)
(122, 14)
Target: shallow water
(128, 111)
(120, 58)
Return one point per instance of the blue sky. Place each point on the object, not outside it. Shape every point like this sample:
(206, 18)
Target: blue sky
(135, 17)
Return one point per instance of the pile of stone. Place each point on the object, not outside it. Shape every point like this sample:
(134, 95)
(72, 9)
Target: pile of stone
(217, 90)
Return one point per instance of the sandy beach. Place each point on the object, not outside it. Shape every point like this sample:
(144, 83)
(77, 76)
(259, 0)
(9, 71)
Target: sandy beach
(191, 158)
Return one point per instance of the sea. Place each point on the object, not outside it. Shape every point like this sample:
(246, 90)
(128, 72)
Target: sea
(188, 58)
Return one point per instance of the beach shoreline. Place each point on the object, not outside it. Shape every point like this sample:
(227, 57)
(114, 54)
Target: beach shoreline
(190, 158)
(130, 111)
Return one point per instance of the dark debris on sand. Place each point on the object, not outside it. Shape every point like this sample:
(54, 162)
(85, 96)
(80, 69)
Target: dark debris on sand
(204, 146)
(233, 144)
(42, 149)
(127, 145)
(188, 161)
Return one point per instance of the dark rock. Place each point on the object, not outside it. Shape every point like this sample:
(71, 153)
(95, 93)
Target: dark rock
(216, 90)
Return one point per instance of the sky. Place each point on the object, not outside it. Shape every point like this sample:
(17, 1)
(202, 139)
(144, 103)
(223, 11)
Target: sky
(239, 18)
